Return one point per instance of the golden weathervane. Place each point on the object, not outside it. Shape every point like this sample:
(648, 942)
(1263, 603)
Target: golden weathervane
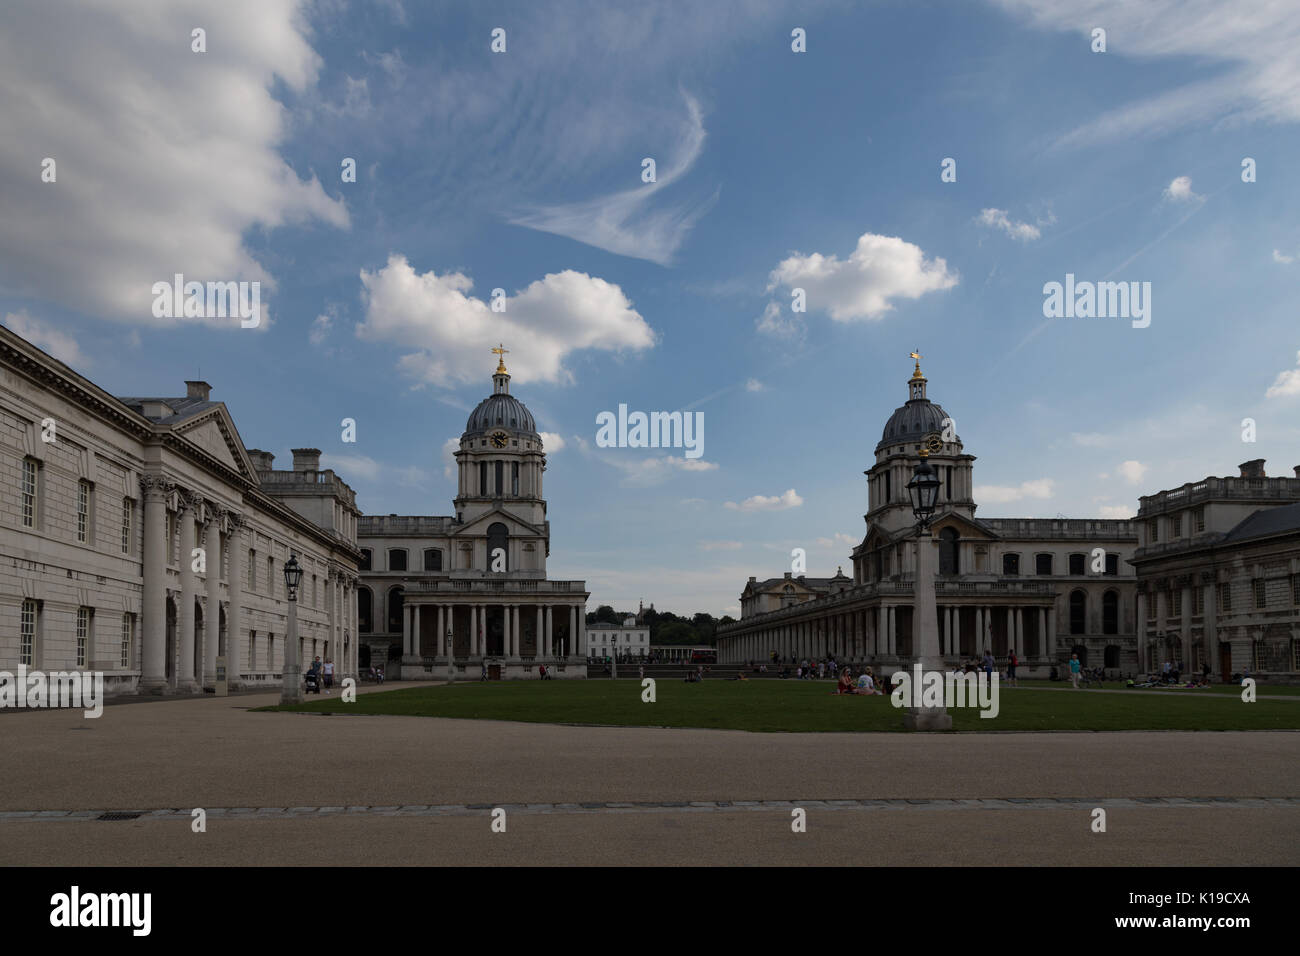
(500, 351)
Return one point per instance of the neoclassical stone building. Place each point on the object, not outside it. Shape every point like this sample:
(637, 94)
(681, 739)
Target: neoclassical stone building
(470, 589)
(1219, 575)
(140, 538)
(1045, 587)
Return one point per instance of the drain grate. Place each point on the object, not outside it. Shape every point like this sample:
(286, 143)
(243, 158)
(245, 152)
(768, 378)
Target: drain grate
(118, 816)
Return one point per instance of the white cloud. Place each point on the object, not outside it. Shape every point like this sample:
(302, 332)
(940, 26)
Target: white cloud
(321, 327)
(998, 219)
(754, 385)
(772, 323)
(790, 499)
(1132, 471)
(63, 347)
(1116, 511)
(623, 223)
(1091, 439)
(552, 442)
(838, 539)
(354, 468)
(720, 545)
(1180, 190)
(641, 472)
(1286, 260)
(1287, 382)
(449, 449)
(879, 269)
(165, 158)
(542, 324)
(1247, 60)
(1001, 494)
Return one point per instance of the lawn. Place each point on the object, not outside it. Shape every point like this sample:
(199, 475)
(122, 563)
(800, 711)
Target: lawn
(775, 705)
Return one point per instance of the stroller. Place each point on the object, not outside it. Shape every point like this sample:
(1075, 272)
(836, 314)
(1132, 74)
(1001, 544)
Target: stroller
(311, 682)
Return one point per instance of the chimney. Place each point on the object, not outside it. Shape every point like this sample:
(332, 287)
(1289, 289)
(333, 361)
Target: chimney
(1297, 471)
(1253, 468)
(752, 579)
(787, 575)
(306, 459)
(198, 390)
(261, 459)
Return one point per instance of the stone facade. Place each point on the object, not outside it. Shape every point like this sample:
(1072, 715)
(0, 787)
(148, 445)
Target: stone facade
(140, 536)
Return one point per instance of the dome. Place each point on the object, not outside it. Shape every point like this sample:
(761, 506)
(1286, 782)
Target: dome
(912, 422)
(502, 410)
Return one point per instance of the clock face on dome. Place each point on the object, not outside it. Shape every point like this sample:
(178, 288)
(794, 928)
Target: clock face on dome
(499, 439)
(934, 443)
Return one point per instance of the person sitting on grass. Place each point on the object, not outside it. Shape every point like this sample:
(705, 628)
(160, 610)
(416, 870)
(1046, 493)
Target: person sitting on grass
(844, 685)
(866, 683)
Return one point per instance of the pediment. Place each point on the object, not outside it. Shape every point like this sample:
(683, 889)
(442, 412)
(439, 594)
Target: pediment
(214, 432)
(478, 526)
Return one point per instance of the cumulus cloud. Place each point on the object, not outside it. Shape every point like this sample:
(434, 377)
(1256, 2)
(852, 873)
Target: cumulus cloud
(1180, 190)
(838, 539)
(1132, 471)
(772, 323)
(789, 499)
(552, 442)
(880, 269)
(449, 449)
(1002, 494)
(44, 336)
(354, 468)
(1116, 511)
(998, 219)
(1279, 256)
(1287, 382)
(452, 331)
(165, 158)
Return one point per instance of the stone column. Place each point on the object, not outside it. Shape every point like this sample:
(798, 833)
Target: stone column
(582, 631)
(1020, 629)
(550, 633)
(153, 653)
(1210, 623)
(573, 626)
(212, 613)
(956, 631)
(1051, 632)
(1042, 630)
(1140, 630)
(417, 645)
(537, 642)
(979, 630)
(1188, 663)
(190, 504)
(235, 607)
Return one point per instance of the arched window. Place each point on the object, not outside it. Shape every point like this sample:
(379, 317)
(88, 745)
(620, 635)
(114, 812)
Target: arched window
(1110, 613)
(432, 559)
(498, 540)
(1078, 609)
(365, 610)
(395, 610)
(482, 479)
(948, 560)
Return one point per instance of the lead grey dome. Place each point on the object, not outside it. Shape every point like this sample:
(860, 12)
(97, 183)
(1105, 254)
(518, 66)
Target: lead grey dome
(502, 410)
(912, 422)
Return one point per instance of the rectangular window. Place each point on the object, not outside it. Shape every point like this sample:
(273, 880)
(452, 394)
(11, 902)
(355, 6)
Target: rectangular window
(27, 633)
(1153, 531)
(1225, 596)
(1112, 565)
(270, 576)
(1258, 587)
(1198, 601)
(128, 639)
(365, 560)
(83, 634)
(1011, 564)
(1043, 564)
(29, 493)
(482, 479)
(1175, 526)
(252, 570)
(1198, 520)
(83, 511)
(128, 506)
(397, 559)
(1077, 563)
(499, 488)
(432, 559)
(514, 479)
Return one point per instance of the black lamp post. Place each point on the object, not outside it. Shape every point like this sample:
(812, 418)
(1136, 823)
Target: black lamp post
(924, 491)
(290, 688)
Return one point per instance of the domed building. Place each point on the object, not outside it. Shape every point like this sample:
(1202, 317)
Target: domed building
(469, 591)
(1044, 587)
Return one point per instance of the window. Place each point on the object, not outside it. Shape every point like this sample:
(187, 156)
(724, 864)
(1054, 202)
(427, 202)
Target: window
(1153, 531)
(252, 650)
(500, 483)
(1011, 564)
(1257, 586)
(432, 559)
(84, 618)
(252, 570)
(887, 496)
(128, 507)
(83, 511)
(1198, 601)
(27, 633)
(364, 613)
(313, 591)
(29, 493)
(396, 559)
(1295, 589)
(270, 576)
(1175, 526)
(498, 544)
(128, 639)
(482, 479)
(1043, 564)
(1198, 520)
(1078, 563)
(1078, 609)
(1112, 564)
(395, 610)
(949, 560)
(1171, 606)
(514, 479)
(1225, 597)
(1110, 612)
(365, 559)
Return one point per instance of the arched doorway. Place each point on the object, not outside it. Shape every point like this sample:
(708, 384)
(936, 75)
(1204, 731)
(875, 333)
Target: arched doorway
(1078, 612)
(365, 611)
(498, 547)
(1110, 613)
(395, 605)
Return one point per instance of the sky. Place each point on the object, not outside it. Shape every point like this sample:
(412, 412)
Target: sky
(774, 170)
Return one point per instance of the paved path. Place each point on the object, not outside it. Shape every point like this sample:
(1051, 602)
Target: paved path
(1157, 789)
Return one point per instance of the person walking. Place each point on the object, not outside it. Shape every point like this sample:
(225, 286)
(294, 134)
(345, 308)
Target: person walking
(329, 674)
(1075, 667)
(988, 666)
(1011, 667)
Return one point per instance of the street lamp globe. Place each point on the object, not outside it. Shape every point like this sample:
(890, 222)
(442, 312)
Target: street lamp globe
(292, 577)
(924, 489)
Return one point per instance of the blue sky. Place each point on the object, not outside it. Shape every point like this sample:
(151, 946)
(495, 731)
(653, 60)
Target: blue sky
(522, 171)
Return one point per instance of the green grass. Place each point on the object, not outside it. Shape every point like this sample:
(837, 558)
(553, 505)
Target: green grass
(1233, 690)
(776, 705)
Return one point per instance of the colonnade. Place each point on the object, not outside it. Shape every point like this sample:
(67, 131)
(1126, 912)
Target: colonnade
(549, 644)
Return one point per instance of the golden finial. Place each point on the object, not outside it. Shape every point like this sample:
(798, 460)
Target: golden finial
(500, 351)
(916, 355)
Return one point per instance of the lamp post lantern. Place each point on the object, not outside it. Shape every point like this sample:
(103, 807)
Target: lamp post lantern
(451, 657)
(291, 686)
(924, 491)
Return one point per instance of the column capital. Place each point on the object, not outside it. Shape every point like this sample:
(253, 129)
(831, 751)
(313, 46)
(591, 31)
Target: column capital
(191, 501)
(156, 487)
(234, 521)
